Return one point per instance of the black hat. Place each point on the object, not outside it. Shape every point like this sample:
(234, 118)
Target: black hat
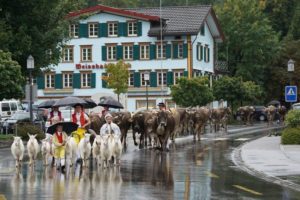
(161, 104)
(78, 104)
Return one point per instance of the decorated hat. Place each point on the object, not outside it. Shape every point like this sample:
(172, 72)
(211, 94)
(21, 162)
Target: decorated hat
(161, 104)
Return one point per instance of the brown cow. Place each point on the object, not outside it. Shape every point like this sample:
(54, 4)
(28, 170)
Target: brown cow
(123, 120)
(246, 113)
(150, 124)
(96, 122)
(138, 127)
(177, 128)
(183, 123)
(282, 112)
(201, 117)
(270, 111)
(166, 125)
(220, 116)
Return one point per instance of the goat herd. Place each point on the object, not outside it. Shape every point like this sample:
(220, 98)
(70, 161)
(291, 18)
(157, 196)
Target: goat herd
(154, 126)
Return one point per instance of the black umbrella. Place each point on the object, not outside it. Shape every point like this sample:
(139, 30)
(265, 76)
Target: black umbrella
(68, 127)
(70, 101)
(274, 103)
(90, 103)
(47, 104)
(110, 102)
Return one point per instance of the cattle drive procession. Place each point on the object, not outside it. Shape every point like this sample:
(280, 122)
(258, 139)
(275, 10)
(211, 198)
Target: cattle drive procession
(149, 100)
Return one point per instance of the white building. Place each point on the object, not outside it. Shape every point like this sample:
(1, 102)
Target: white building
(101, 35)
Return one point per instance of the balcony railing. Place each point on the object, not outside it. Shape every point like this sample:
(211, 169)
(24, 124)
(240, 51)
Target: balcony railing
(221, 66)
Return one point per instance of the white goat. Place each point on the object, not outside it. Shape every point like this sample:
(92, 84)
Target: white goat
(32, 148)
(116, 148)
(85, 147)
(46, 151)
(96, 149)
(17, 150)
(71, 151)
(105, 150)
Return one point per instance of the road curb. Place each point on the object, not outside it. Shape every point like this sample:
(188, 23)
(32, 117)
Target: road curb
(236, 158)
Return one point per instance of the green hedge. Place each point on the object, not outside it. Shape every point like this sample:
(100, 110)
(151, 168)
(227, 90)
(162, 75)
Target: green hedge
(290, 136)
(293, 118)
(23, 129)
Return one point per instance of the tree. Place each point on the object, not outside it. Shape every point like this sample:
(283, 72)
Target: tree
(192, 92)
(117, 76)
(35, 27)
(11, 77)
(252, 92)
(251, 43)
(229, 89)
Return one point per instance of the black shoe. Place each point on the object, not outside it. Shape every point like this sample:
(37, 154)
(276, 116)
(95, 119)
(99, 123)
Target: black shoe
(79, 160)
(63, 169)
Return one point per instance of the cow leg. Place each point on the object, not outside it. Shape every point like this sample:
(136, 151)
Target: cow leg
(141, 141)
(134, 138)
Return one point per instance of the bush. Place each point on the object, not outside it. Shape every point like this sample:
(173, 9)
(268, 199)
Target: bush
(23, 129)
(290, 136)
(293, 118)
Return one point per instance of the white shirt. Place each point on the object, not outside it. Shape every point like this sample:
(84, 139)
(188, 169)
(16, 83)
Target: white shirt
(78, 118)
(55, 113)
(107, 128)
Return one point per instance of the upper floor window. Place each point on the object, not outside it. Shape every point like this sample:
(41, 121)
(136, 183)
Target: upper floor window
(131, 79)
(86, 79)
(161, 78)
(206, 54)
(202, 30)
(68, 54)
(128, 52)
(73, 30)
(68, 80)
(86, 53)
(143, 81)
(49, 80)
(144, 51)
(112, 29)
(161, 51)
(177, 75)
(132, 28)
(93, 29)
(180, 50)
(200, 52)
(111, 52)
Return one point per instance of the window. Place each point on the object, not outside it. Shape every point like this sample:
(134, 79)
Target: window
(144, 51)
(132, 28)
(161, 78)
(177, 75)
(131, 79)
(49, 80)
(202, 30)
(68, 54)
(143, 81)
(13, 106)
(112, 29)
(86, 53)
(180, 50)
(128, 52)
(5, 107)
(73, 30)
(67, 80)
(93, 30)
(112, 52)
(86, 79)
(200, 52)
(143, 103)
(206, 49)
(158, 51)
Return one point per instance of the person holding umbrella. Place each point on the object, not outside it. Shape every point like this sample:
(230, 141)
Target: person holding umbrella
(105, 111)
(80, 118)
(59, 141)
(55, 115)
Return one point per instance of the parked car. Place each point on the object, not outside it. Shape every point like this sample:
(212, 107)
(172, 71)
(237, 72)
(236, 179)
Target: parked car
(296, 106)
(9, 107)
(9, 124)
(258, 115)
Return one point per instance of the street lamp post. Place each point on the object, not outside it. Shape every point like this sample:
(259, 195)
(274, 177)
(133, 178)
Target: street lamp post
(291, 69)
(146, 78)
(30, 67)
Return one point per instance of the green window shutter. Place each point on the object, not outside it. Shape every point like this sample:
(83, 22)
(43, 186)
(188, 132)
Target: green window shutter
(83, 30)
(175, 50)
(137, 79)
(185, 73)
(139, 28)
(40, 80)
(99, 29)
(119, 52)
(104, 82)
(153, 79)
(58, 81)
(104, 56)
(152, 51)
(76, 80)
(93, 81)
(208, 52)
(168, 50)
(170, 78)
(201, 52)
(204, 54)
(136, 52)
(122, 29)
(202, 31)
(103, 30)
(185, 50)
(197, 52)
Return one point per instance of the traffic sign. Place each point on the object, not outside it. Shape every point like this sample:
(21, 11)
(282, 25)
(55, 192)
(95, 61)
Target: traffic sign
(290, 93)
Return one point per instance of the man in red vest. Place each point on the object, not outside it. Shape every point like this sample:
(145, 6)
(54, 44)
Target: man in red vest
(79, 117)
(55, 114)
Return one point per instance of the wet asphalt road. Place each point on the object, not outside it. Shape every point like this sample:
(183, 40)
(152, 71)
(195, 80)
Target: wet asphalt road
(191, 170)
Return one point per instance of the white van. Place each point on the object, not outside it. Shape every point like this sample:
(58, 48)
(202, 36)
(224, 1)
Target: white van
(9, 107)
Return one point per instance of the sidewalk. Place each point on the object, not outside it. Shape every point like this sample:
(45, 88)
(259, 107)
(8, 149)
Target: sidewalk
(268, 159)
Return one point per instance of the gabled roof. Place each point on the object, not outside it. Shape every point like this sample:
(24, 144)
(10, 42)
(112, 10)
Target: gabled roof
(116, 11)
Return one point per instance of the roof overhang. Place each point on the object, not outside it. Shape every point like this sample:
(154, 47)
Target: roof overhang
(214, 26)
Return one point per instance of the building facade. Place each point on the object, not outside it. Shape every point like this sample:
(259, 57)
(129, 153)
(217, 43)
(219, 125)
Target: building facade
(166, 44)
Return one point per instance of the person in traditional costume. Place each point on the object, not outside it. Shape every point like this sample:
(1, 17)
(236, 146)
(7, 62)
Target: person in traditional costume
(56, 115)
(80, 118)
(109, 127)
(59, 141)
